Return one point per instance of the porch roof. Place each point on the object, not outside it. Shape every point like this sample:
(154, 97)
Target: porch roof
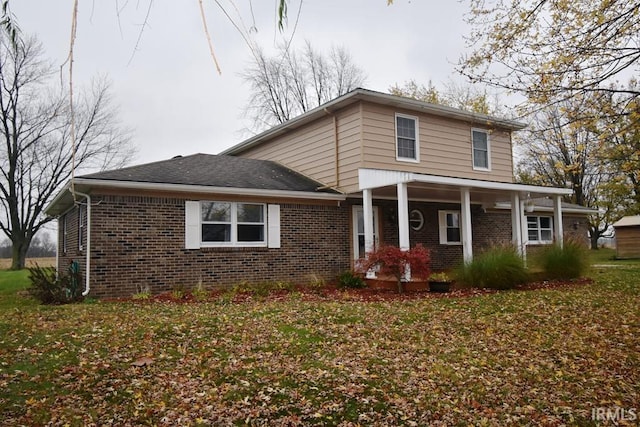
(443, 188)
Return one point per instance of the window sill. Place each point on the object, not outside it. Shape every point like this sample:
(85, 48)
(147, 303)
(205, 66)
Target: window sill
(407, 160)
(232, 245)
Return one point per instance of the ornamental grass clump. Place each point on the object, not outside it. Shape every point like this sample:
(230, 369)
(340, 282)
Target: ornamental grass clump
(393, 261)
(562, 263)
(500, 267)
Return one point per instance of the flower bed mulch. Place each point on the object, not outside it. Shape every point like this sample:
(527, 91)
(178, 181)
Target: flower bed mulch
(332, 293)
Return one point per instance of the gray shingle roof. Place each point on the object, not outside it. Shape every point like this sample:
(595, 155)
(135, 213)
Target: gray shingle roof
(215, 171)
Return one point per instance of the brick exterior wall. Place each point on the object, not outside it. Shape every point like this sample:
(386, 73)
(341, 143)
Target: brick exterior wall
(140, 241)
(489, 228)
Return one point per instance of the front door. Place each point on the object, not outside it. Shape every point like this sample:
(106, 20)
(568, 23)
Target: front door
(358, 230)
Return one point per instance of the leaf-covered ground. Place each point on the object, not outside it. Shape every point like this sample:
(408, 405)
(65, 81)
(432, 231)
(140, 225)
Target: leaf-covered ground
(534, 357)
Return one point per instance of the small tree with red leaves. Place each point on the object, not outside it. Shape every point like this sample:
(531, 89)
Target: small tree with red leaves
(391, 260)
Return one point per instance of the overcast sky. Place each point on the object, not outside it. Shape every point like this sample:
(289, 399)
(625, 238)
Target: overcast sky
(169, 92)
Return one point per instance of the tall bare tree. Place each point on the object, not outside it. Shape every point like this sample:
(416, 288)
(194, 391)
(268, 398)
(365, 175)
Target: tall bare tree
(554, 50)
(35, 130)
(291, 82)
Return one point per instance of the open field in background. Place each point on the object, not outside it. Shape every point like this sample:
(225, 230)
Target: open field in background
(544, 357)
(5, 263)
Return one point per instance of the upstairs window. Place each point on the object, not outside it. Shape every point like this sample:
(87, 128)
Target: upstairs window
(480, 141)
(540, 229)
(407, 138)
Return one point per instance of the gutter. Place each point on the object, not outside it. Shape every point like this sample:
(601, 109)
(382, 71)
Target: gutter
(193, 189)
(87, 283)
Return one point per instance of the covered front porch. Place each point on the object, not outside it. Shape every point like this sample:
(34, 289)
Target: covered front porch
(464, 196)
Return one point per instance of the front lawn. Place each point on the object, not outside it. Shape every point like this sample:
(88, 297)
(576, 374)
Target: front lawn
(542, 357)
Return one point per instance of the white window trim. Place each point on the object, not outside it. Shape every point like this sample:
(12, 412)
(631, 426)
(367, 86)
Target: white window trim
(442, 226)
(81, 226)
(538, 241)
(193, 226)
(234, 227)
(64, 233)
(417, 125)
(355, 209)
(473, 154)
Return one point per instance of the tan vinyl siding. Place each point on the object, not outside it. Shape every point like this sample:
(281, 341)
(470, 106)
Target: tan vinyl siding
(366, 136)
(308, 150)
(349, 150)
(311, 149)
(445, 146)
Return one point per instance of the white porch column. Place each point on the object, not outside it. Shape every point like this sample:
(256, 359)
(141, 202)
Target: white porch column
(465, 226)
(525, 230)
(516, 222)
(403, 216)
(557, 219)
(367, 213)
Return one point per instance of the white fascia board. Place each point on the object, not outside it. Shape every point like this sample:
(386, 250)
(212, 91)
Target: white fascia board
(549, 209)
(375, 178)
(184, 188)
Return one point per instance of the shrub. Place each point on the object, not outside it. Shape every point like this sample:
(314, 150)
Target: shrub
(351, 280)
(394, 261)
(567, 262)
(50, 288)
(500, 267)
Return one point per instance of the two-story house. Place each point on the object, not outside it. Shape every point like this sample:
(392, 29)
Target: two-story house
(308, 197)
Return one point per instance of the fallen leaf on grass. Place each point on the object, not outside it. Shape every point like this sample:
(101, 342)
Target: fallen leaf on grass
(142, 361)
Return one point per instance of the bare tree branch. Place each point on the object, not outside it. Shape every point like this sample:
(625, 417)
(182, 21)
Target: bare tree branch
(36, 131)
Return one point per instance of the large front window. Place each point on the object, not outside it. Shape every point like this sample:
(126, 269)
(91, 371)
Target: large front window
(232, 223)
(406, 138)
(540, 229)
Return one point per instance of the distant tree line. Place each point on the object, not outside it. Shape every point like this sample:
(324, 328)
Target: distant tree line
(41, 247)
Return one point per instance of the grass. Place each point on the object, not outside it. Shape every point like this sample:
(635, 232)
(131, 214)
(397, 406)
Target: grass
(544, 357)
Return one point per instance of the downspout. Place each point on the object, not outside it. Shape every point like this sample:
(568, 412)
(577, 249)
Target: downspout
(87, 286)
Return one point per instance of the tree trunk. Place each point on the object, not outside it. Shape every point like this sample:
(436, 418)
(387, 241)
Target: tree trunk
(19, 254)
(19, 248)
(594, 235)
